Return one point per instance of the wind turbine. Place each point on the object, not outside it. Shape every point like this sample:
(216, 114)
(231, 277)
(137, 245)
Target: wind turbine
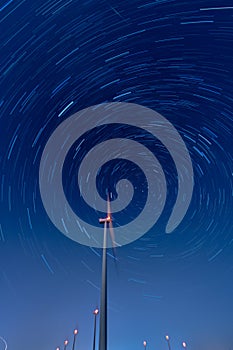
(75, 335)
(95, 313)
(168, 342)
(103, 302)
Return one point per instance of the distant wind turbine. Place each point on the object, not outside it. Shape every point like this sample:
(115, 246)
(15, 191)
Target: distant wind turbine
(168, 342)
(95, 313)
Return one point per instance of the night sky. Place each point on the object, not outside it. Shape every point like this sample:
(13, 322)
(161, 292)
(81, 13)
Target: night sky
(60, 57)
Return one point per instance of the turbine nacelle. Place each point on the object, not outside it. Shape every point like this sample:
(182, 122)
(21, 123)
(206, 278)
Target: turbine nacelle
(108, 219)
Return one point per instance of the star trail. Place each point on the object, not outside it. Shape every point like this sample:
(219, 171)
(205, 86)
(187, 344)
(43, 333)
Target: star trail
(60, 57)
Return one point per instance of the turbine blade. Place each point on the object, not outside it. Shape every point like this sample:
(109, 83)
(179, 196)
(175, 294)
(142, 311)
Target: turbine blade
(109, 206)
(111, 230)
(112, 235)
(110, 222)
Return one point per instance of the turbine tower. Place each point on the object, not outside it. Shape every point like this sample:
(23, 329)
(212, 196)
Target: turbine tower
(103, 302)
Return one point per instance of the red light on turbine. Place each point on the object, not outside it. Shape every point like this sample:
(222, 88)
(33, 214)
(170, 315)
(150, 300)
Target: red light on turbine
(96, 311)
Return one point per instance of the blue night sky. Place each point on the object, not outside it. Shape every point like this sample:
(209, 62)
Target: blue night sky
(59, 57)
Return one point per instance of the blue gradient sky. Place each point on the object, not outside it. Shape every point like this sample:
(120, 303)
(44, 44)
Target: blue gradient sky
(58, 57)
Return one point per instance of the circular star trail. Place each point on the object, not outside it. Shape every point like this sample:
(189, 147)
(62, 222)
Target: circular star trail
(59, 57)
